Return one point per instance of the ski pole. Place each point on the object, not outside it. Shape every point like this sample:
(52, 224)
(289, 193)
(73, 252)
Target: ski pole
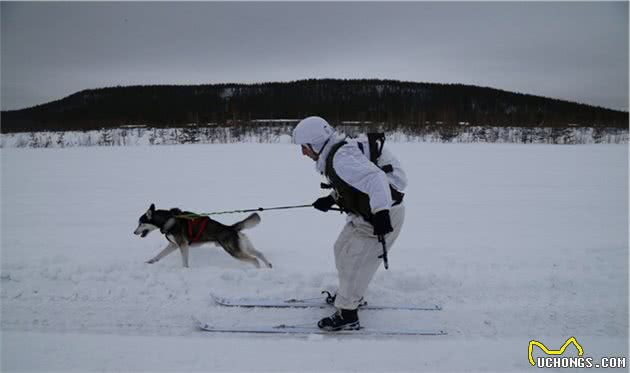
(381, 239)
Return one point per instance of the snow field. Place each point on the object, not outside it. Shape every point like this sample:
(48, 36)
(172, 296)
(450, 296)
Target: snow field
(516, 242)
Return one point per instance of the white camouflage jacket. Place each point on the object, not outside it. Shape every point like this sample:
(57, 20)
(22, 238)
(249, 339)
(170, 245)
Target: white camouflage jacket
(355, 168)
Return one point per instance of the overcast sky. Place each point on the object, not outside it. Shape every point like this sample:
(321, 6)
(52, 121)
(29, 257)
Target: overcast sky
(571, 51)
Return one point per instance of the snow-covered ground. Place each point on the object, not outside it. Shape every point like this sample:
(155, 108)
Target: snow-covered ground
(516, 242)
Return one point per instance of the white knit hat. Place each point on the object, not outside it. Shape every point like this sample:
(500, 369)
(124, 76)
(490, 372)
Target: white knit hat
(314, 131)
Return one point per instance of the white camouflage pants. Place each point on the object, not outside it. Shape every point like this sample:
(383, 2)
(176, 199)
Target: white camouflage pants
(357, 252)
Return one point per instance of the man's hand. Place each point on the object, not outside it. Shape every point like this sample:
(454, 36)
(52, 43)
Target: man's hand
(325, 203)
(382, 224)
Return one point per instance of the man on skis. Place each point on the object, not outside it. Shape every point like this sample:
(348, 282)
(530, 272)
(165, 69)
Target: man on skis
(367, 183)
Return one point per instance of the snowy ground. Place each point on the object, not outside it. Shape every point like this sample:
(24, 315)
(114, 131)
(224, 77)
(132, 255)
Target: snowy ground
(516, 242)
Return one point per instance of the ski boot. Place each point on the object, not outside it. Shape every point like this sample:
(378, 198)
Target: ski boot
(340, 320)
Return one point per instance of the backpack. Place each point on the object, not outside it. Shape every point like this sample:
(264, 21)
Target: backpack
(376, 141)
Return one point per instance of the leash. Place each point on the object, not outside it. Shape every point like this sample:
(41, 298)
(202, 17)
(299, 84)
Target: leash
(249, 210)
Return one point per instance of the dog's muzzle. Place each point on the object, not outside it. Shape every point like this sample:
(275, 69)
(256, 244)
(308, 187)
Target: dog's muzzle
(141, 232)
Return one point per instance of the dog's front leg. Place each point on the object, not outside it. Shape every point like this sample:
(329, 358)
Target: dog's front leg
(167, 250)
(183, 248)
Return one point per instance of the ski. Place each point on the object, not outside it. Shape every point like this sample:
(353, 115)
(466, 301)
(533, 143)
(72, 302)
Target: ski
(314, 303)
(305, 330)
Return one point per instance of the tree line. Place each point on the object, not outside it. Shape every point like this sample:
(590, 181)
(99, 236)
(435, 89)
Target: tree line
(393, 104)
(282, 134)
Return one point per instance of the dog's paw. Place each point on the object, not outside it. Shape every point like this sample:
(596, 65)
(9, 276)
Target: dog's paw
(269, 265)
(151, 261)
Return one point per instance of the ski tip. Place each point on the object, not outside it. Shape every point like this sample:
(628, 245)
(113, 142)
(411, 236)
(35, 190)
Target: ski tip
(217, 299)
(198, 323)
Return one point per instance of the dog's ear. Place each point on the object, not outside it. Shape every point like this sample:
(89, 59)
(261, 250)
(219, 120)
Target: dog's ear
(150, 211)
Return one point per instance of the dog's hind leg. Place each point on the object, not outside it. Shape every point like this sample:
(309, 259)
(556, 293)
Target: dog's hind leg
(248, 247)
(167, 250)
(233, 246)
(260, 256)
(249, 259)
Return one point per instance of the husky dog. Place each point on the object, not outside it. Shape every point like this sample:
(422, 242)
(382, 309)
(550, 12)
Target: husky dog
(184, 229)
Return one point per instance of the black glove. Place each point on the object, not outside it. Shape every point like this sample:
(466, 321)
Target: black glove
(325, 203)
(382, 224)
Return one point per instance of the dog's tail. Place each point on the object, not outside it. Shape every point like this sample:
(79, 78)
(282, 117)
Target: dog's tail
(249, 222)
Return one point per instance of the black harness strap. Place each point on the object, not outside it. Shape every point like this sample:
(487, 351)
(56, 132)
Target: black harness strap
(376, 150)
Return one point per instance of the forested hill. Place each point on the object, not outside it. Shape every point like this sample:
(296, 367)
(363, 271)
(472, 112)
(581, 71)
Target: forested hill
(386, 102)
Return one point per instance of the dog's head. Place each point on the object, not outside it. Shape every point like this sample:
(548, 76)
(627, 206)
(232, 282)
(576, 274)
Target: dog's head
(146, 224)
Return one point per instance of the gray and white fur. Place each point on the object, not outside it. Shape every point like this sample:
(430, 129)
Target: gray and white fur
(175, 229)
